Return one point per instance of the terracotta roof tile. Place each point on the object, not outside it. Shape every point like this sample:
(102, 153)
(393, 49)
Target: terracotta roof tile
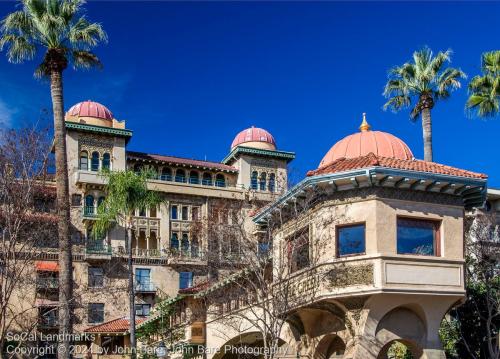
(372, 160)
(180, 160)
(120, 325)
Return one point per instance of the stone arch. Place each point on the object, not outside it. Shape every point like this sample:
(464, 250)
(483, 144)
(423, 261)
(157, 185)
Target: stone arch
(251, 340)
(330, 346)
(403, 324)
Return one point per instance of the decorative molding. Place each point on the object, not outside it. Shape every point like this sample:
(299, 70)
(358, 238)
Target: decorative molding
(99, 129)
(282, 155)
(349, 275)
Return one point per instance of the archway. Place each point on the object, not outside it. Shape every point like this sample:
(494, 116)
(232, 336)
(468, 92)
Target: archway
(399, 349)
(244, 346)
(330, 346)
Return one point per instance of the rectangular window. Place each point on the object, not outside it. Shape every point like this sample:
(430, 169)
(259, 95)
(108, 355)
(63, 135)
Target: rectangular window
(185, 211)
(416, 236)
(96, 312)
(142, 310)
(143, 278)
(185, 280)
(173, 212)
(351, 240)
(298, 250)
(76, 199)
(96, 277)
(195, 213)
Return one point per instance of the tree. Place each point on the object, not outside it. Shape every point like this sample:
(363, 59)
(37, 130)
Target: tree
(471, 330)
(421, 84)
(27, 228)
(125, 193)
(484, 90)
(56, 28)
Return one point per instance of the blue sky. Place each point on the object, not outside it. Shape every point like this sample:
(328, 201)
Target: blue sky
(188, 76)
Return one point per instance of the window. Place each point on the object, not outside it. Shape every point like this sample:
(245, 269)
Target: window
(89, 205)
(272, 182)
(351, 240)
(173, 212)
(298, 250)
(166, 174)
(94, 163)
(138, 168)
(174, 241)
(143, 278)
(184, 213)
(262, 182)
(112, 344)
(142, 310)
(253, 180)
(417, 236)
(100, 200)
(195, 247)
(185, 242)
(96, 277)
(142, 212)
(96, 312)
(106, 161)
(76, 199)
(195, 213)
(185, 280)
(152, 212)
(194, 177)
(263, 248)
(207, 179)
(180, 176)
(220, 180)
(84, 160)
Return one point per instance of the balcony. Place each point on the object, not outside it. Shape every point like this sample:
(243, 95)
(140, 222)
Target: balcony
(187, 257)
(89, 212)
(47, 283)
(98, 249)
(146, 287)
(147, 253)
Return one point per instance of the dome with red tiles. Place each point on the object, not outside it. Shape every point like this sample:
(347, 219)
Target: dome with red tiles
(255, 137)
(366, 141)
(90, 109)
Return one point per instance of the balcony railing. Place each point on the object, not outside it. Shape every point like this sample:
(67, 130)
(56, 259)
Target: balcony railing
(98, 247)
(146, 253)
(47, 283)
(193, 180)
(188, 254)
(89, 212)
(145, 287)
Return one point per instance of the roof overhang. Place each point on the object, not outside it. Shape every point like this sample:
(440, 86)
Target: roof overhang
(471, 190)
(239, 150)
(119, 132)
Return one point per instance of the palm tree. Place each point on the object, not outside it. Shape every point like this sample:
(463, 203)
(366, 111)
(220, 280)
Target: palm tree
(126, 192)
(420, 84)
(55, 28)
(485, 90)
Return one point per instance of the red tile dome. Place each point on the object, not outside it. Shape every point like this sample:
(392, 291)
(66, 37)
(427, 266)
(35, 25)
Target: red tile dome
(90, 109)
(254, 137)
(362, 143)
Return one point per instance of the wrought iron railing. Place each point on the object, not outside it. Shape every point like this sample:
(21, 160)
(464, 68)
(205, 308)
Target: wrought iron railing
(47, 283)
(89, 211)
(145, 286)
(98, 247)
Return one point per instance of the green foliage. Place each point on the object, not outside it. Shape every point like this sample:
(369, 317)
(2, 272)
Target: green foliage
(55, 26)
(423, 80)
(125, 193)
(449, 333)
(484, 90)
(399, 351)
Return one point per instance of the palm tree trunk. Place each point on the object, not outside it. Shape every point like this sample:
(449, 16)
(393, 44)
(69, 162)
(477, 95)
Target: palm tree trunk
(131, 292)
(65, 256)
(427, 132)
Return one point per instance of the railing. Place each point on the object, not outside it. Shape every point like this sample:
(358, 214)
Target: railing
(47, 283)
(145, 287)
(146, 253)
(188, 254)
(89, 211)
(194, 180)
(98, 247)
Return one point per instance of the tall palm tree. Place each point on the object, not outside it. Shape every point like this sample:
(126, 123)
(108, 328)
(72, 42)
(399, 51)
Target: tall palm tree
(126, 192)
(485, 90)
(420, 84)
(57, 29)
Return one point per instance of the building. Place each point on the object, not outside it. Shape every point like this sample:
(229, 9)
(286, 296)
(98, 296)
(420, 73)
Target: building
(391, 246)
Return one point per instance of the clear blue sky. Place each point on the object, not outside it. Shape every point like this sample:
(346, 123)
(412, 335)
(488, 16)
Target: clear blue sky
(188, 76)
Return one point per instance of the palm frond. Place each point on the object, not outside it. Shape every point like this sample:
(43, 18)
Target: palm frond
(19, 48)
(85, 59)
(86, 34)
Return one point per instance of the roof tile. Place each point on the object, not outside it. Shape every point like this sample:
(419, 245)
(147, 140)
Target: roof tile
(120, 325)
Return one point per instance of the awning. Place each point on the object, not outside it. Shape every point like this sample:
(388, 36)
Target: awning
(46, 266)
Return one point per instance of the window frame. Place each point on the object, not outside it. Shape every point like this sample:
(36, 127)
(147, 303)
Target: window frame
(337, 237)
(92, 276)
(437, 235)
(190, 280)
(89, 309)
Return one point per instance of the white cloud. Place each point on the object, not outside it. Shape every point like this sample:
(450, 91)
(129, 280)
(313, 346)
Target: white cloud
(6, 115)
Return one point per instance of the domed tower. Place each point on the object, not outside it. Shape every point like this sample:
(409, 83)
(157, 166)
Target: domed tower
(261, 166)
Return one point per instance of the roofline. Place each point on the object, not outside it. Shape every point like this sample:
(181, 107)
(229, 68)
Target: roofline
(479, 184)
(493, 193)
(210, 164)
(99, 129)
(288, 156)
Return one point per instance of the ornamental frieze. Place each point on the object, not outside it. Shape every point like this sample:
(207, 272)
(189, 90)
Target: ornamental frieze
(349, 275)
(91, 143)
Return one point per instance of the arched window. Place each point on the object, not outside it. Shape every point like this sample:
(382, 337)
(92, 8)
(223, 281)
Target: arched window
(220, 180)
(194, 177)
(185, 243)
(89, 205)
(174, 241)
(106, 161)
(180, 176)
(207, 179)
(84, 161)
(272, 183)
(94, 163)
(166, 174)
(100, 200)
(262, 182)
(253, 180)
